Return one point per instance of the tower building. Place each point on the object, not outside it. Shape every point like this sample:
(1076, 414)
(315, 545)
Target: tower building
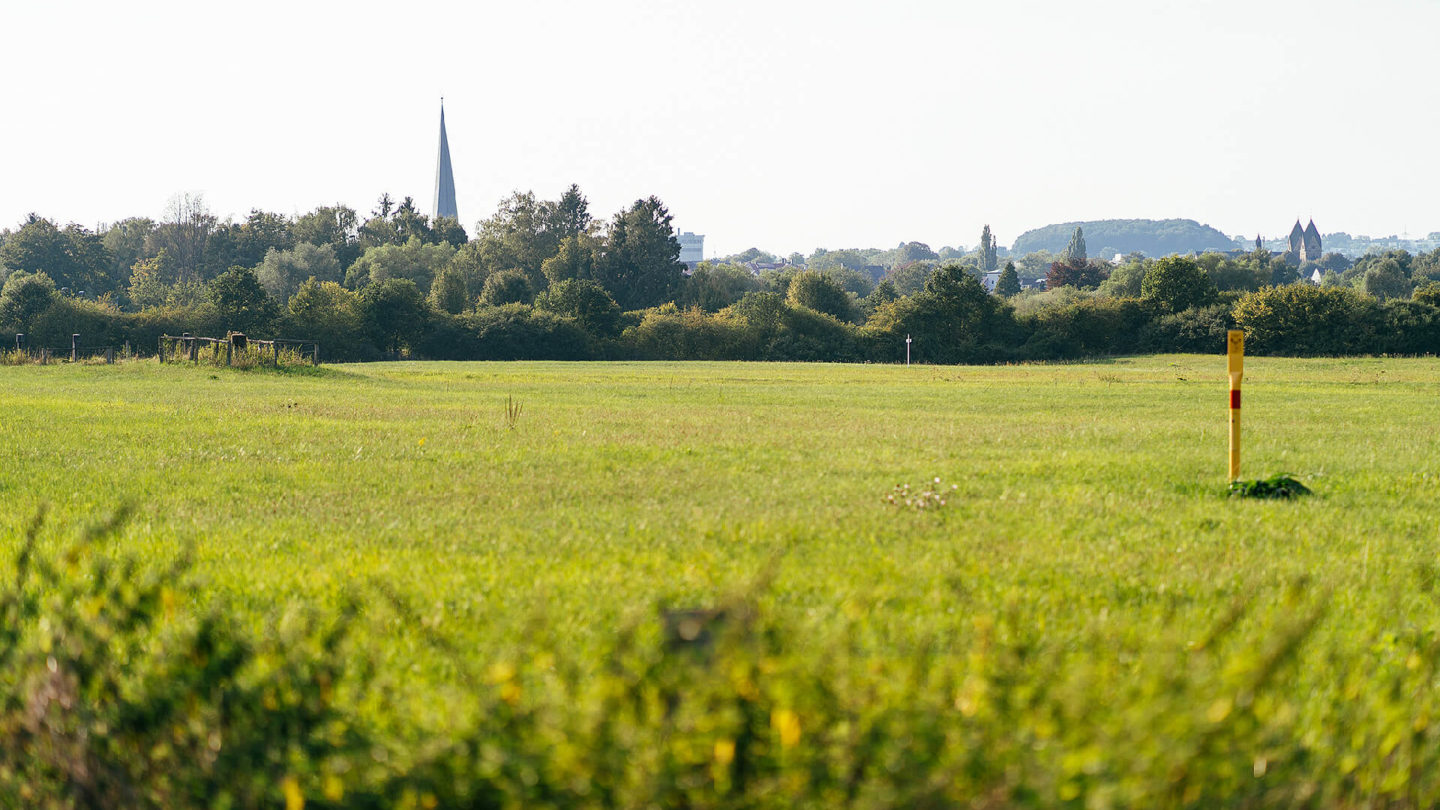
(444, 175)
(1305, 242)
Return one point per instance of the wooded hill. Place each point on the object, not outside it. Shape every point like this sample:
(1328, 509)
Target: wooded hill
(1106, 237)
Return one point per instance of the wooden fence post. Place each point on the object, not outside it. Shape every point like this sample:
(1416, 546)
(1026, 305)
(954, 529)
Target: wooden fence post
(315, 358)
(109, 355)
(75, 348)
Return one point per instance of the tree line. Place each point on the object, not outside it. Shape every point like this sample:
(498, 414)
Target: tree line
(544, 279)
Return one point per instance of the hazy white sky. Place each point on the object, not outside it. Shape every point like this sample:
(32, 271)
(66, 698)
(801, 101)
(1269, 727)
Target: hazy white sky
(782, 124)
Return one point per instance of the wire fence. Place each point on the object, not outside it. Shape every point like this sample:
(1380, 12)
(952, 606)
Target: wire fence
(234, 350)
(25, 354)
(237, 350)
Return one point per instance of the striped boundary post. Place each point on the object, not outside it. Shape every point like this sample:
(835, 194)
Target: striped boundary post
(1235, 353)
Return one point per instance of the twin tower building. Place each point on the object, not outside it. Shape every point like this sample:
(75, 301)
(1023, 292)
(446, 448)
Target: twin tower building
(1304, 242)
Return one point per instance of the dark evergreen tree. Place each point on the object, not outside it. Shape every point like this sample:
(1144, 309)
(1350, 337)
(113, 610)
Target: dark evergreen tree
(1009, 282)
(640, 265)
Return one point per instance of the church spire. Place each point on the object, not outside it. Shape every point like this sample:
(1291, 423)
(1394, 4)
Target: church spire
(444, 175)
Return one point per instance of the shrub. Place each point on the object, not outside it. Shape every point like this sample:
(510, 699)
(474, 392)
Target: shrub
(510, 332)
(818, 292)
(507, 287)
(1085, 326)
(112, 699)
(1410, 327)
(1301, 319)
(24, 296)
(585, 301)
(1200, 330)
(667, 333)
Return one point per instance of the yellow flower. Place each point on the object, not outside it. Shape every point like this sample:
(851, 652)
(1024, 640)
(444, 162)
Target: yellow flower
(787, 724)
(294, 799)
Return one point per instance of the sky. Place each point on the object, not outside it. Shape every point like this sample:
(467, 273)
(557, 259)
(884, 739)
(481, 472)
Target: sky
(773, 123)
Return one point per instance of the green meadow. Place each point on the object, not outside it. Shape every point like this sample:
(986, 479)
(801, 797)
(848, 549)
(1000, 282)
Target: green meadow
(1085, 620)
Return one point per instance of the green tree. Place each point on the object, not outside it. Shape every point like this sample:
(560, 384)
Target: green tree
(1177, 283)
(883, 293)
(414, 260)
(821, 293)
(1302, 319)
(150, 282)
(1125, 280)
(25, 297)
(641, 262)
(753, 254)
(183, 234)
(910, 278)
(326, 312)
(1008, 283)
(448, 230)
(125, 242)
(283, 271)
(261, 233)
(1386, 278)
(585, 301)
(526, 231)
(574, 260)
(394, 313)
(1428, 293)
(241, 302)
(712, 287)
(73, 257)
(913, 252)
(507, 287)
(448, 293)
(954, 320)
(336, 226)
(989, 261)
(410, 223)
(1075, 251)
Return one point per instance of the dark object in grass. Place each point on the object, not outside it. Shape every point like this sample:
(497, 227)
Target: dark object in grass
(1281, 486)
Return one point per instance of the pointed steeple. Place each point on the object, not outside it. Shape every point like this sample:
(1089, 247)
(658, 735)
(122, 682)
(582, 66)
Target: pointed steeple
(1311, 243)
(444, 175)
(1297, 238)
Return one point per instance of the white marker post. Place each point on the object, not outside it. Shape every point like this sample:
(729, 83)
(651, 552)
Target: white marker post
(907, 350)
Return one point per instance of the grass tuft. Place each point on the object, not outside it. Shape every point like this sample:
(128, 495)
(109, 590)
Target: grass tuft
(1277, 487)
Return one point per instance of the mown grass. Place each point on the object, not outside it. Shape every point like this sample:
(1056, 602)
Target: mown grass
(1089, 525)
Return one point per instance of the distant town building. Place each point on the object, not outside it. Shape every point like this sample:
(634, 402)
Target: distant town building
(444, 175)
(692, 248)
(1305, 242)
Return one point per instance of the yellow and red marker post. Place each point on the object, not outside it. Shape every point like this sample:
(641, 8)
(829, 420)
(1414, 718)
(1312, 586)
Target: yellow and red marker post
(1236, 353)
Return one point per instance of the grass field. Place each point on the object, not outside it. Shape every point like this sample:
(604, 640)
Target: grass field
(1086, 530)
